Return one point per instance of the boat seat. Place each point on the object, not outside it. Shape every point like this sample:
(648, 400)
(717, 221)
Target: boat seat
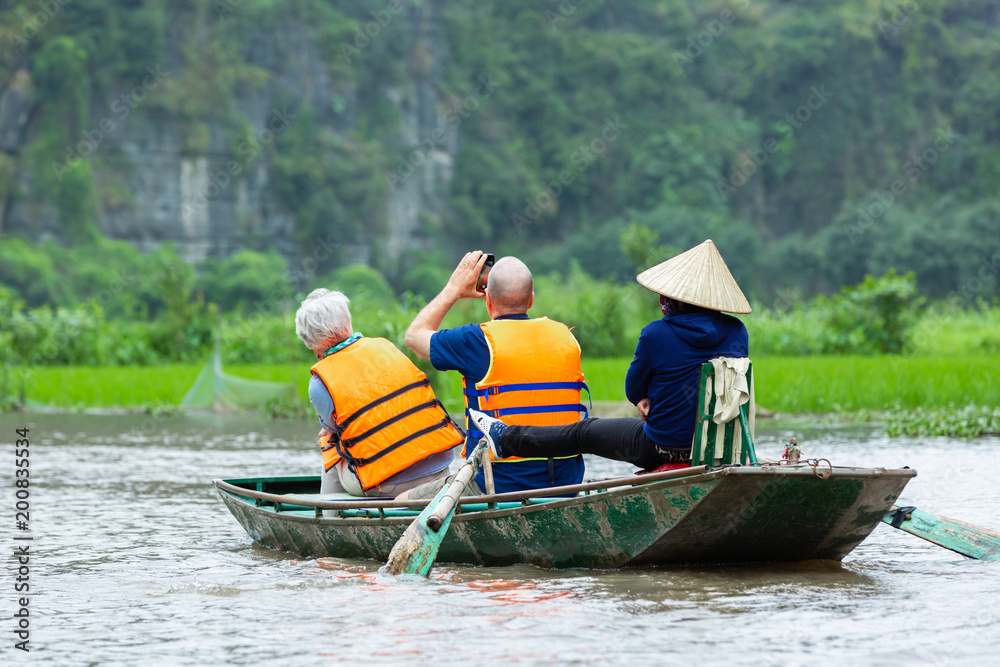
(727, 443)
(340, 496)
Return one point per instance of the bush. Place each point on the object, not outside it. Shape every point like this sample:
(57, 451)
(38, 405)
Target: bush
(257, 339)
(130, 344)
(595, 310)
(51, 337)
(640, 244)
(112, 273)
(794, 332)
(875, 316)
(30, 269)
(358, 281)
(248, 278)
(427, 274)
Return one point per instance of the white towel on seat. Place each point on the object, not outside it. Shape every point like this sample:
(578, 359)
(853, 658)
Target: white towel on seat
(731, 388)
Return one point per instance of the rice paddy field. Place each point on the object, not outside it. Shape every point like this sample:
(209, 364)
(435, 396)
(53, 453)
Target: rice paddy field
(788, 385)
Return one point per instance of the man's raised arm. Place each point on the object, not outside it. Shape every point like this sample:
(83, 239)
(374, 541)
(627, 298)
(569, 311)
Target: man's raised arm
(461, 285)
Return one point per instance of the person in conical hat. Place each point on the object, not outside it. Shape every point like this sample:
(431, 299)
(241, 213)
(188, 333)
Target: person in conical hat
(695, 288)
(698, 277)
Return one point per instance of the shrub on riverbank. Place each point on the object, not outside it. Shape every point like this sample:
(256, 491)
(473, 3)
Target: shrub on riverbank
(876, 316)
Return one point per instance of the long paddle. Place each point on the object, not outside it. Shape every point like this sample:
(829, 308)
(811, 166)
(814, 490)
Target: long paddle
(961, 537)
(417, 548)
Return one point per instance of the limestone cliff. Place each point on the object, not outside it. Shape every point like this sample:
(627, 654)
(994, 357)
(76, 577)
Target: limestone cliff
(160, 177)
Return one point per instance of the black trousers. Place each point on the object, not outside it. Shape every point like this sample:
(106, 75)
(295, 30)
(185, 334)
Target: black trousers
(620, 439)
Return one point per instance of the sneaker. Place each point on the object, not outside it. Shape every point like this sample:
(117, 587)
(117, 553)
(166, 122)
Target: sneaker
(492, 428)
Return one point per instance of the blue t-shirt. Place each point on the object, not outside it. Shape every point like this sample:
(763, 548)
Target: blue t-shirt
(464, 349)
(667, 369)
(322, 401)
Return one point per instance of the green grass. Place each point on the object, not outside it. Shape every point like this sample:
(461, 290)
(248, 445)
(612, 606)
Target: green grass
(131, 386)
(834, 384)
(820, 384)
(110, 386)
(149, 386)
(944, 335)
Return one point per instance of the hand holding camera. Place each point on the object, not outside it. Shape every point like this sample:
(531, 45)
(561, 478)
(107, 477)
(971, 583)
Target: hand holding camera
(469, 279)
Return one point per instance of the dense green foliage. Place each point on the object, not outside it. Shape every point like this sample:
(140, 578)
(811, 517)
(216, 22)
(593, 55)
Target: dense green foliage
(814, 142)
(820, 145)
(100, 303)
(876, 316)
(141, 310)
(705, 99)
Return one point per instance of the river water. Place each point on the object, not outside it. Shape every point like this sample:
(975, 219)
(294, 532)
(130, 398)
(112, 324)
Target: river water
(135, 560)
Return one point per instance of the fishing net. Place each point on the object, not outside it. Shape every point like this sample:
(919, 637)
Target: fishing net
(217, 391)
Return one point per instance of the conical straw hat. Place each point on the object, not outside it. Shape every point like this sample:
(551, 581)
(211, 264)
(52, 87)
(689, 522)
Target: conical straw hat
(700, 277)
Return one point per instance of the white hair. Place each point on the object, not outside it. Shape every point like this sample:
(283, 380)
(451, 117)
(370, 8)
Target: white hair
(323, 320)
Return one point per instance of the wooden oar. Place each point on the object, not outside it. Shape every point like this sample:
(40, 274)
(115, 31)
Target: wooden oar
(961, 537)
(417, 548)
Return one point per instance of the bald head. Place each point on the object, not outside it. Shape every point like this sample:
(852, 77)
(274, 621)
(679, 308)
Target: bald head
(510, 286)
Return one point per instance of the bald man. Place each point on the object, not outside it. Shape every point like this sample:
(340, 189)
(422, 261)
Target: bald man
(522, 369)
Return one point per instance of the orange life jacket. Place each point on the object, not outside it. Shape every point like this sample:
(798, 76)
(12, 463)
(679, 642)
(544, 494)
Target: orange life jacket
(386, 417)
(534, 376)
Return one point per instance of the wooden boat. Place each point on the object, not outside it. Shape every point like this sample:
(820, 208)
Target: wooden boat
(763, 512)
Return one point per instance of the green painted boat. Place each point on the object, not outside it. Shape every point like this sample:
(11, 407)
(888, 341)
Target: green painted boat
(700, 515)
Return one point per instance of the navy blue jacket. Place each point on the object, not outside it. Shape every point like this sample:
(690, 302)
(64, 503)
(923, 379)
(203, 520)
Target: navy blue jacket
(667, 369)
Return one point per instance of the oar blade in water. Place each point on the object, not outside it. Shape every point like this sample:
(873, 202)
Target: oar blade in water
(964, 538)
(417, 548)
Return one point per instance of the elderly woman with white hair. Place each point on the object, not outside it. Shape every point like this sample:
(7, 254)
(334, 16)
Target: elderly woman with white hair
(384, 431)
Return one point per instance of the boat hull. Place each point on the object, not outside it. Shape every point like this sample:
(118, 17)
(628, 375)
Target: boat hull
(728, 515)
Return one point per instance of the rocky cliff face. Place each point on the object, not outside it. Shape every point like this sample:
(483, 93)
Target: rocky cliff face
(153, 187)
(424, 191)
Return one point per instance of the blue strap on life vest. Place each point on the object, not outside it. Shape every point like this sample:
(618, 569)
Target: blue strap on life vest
(536, 409)
(472, 392)
(476, 434)
(524, 386)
